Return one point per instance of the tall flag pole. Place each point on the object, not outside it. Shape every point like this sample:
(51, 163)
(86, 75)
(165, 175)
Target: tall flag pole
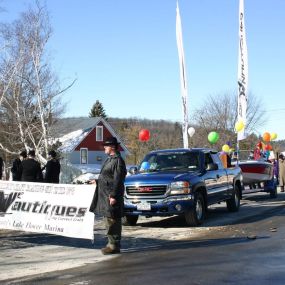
(182, 77)
(242, 73)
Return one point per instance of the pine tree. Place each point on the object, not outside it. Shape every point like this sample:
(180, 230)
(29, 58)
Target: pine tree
(97, 110)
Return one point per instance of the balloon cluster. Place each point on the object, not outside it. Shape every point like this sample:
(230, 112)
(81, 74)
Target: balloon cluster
(267, 137)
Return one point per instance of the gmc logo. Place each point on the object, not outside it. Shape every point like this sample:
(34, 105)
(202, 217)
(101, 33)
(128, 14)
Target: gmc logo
(144, 189)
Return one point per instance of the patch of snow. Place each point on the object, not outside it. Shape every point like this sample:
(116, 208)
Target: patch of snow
(71, 140)
(91, 168)
(85, 178)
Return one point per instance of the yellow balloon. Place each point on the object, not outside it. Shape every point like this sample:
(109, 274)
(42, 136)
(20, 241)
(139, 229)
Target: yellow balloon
(239, 126)
(273, 136)
(226, 148)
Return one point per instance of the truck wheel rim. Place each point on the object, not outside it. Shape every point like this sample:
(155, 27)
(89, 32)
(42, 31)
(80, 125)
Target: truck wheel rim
(199, 210)
(236, 199)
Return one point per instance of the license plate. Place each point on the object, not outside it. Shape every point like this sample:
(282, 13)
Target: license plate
(144, 206)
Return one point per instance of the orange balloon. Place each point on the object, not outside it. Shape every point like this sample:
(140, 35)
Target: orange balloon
(266, 137)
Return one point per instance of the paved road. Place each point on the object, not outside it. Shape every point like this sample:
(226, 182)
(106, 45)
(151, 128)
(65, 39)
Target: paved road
(231, 248)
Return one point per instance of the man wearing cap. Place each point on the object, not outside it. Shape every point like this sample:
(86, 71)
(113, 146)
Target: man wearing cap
(1, 167)
(17, 166)
(281, 164)
(52, 168)
(31, 169)
(108, 198)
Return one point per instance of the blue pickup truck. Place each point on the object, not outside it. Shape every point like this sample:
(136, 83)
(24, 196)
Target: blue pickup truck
(180, 182)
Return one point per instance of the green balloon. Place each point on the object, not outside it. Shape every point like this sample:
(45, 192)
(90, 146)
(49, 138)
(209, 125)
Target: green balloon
(213, 137)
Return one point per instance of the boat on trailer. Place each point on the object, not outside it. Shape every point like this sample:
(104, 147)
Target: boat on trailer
(258, 176)
(256, 171)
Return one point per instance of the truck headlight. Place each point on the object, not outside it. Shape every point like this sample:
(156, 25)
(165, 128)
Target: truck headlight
(179, 187)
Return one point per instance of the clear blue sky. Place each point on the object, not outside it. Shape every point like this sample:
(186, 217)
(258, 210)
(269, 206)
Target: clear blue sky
(124, 54)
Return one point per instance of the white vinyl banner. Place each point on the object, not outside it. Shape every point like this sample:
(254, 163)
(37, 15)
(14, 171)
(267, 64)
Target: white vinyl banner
(183, 78)
(60, 209)
(242, 72)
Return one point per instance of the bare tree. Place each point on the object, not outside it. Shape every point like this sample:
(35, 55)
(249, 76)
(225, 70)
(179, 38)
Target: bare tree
(30, 93)
(219, 113)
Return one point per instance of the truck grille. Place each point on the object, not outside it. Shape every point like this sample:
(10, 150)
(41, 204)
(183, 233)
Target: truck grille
(146, 190)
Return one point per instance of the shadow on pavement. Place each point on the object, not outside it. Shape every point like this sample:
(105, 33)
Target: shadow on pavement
(32, 239)
(220, 216)
(173, 245)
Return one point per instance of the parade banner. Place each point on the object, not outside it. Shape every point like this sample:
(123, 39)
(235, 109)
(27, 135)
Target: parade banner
(60, 209)
(242, 73)
(183, 79)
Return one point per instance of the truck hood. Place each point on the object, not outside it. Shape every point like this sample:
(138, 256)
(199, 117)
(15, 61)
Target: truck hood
(159, 177)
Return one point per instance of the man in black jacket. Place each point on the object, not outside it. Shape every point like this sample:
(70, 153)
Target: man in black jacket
(52, 168)
(31, 169)
(1, 167)
(17, 166)
(108, 198)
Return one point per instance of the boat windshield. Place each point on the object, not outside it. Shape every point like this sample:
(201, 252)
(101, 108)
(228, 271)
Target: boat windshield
(171, 161)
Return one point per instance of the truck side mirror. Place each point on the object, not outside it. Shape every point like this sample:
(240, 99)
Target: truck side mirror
(212, 166)
(133, 170)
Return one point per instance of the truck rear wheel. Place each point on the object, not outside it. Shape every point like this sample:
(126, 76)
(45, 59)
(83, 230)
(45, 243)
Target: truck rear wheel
(234, 202)
(196, 216)
(129, 220)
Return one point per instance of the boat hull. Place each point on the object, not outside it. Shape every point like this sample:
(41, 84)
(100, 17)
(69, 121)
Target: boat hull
(255, 171)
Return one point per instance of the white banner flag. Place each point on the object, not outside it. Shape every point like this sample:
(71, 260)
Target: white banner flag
(242, 73)
(60, 209)
(182, 77)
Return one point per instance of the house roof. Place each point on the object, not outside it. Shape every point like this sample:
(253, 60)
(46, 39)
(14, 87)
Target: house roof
(65, 126)
(71, 131)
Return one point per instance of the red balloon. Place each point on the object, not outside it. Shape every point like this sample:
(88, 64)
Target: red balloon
(144, 135)
(266, 137)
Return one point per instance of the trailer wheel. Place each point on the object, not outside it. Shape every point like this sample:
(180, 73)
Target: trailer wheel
(196, 216)
(273, 193)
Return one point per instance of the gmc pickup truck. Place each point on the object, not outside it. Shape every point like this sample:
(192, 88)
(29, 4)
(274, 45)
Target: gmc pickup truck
(180, 182)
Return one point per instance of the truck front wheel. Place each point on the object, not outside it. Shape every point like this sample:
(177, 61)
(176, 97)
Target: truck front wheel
(234, 202)
(196, 216)
(129, 220)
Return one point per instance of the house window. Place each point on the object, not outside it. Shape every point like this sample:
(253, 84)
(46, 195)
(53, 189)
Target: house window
(99, 133)
(83, 156)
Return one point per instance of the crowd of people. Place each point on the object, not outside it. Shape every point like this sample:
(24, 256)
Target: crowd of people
(26, 168)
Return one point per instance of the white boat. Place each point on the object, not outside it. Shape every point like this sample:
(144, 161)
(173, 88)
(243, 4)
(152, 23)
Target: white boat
(256, 171)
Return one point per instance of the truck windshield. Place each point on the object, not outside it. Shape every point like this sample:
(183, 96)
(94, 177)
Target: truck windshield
(170, 161)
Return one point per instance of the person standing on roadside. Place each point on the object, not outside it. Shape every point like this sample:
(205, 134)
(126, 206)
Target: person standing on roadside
(31, 169)
(52, 168)
(108, 199)
(1, 167)
(16, 167)
(281, 163)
